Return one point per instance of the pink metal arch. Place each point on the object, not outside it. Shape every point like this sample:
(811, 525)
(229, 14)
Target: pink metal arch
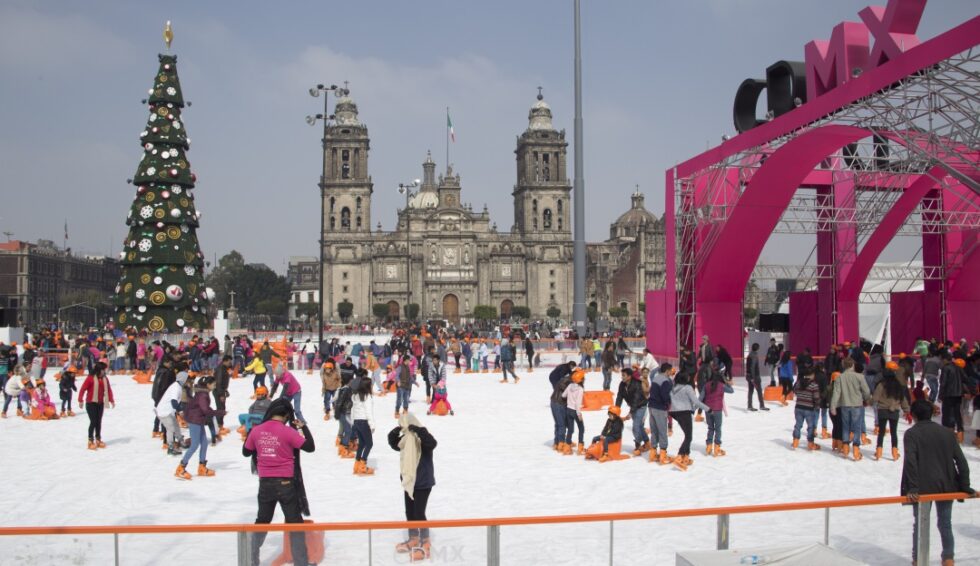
(729, 264)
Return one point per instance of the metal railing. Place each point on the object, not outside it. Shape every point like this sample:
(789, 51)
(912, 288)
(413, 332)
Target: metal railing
(493, 524)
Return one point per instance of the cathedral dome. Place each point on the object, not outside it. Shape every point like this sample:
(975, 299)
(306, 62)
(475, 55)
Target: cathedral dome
(424, 199)
(629, 223)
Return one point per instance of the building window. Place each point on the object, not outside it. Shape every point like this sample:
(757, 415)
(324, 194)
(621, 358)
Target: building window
(534, 206)
(344, 275)
(345, 166)
(552, 284)
(345, 288)
(552, 296)
(358, 222)
(345, 218)
(546, 219)
(333, 162)
(333, 201)
(358, 203)
(333, 222)
(534, 223)
(547, 167)
(551, 272)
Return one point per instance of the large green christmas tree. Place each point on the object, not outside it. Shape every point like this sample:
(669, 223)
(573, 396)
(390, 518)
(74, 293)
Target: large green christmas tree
(162, 285)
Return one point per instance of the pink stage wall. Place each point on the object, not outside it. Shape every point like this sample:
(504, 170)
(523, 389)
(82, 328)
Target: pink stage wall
(804, 323)
(908, 320)
(661, 323)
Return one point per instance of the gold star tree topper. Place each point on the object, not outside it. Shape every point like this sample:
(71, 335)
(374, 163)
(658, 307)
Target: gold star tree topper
(168, 34)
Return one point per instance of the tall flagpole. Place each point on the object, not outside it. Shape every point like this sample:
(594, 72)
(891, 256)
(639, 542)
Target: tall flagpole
(448, 119)
(578, 190)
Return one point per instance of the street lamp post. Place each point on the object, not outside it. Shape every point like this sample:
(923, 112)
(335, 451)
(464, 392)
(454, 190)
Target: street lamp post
(406, 189)
(311, 120)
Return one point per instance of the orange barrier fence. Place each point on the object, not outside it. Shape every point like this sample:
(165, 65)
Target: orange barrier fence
(493, 524)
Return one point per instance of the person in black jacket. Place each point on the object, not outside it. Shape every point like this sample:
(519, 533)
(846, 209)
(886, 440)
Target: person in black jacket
(222, 375)
(725, 359)
(753, 377)
(612, 432)
(772, 360)
(934, 463)
(952, 386)
(631, 391)
(418, 478)
(560, 377)
(164, 377)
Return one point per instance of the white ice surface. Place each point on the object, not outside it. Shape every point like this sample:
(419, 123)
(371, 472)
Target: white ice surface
(494, 459)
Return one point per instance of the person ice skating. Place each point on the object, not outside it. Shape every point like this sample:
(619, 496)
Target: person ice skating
(807, 392)
(753, 377)
(163, 378)
(786, 375)
(362, 414)
(329, 383)
(256, 412)
(931, 367)
(934, 463)
(612, 432)
(291, 390)
(659, 404)
(342, 407)
(95, 393)
(529, 352)
(952, 386)
(772, 361)
(436, 373)
(508, 356)
(635, 391)
(166, 411)
(258, 367)
(889, 397)
(274, 447)
(415, 445)
(610, 363)
(65, 388)
(849, 396)
(42, 402)
(197, 414)
(683, 402)
(11, 392)
(713, 395)
(559, 378)
(573, 395)
(222, 379)
(440, 395)
(406, 380)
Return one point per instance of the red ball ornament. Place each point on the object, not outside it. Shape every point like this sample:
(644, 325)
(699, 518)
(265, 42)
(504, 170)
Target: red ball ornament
(174, 172)
(193, 178)
(141, 190)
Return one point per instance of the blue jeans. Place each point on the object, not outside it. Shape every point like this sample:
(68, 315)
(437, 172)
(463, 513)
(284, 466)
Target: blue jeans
(713, 419)
(944, 517)
(851, 421)
(509, 367)
(810, 417)
(823, 417)
(933, 388)
(346, 429)
(606, 378)
(258, 380)
(558, 413)
(327, 397)
(585, 361)
(309, 361)
(639, 432)
(199, 440)
(295, 399)
(401, 398)
(365, 441)
(248, 420)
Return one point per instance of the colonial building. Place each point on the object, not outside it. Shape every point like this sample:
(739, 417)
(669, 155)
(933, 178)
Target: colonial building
(36, 280)
(448, 258)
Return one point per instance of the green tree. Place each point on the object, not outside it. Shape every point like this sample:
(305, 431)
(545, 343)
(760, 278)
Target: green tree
(271, 307)
(591, 313)
(380, 310)
(256, 283)
(643, 309)
(522, 313)
(485, 312)
(162, 284)
(749, 314)
(553, 312)
(345, 309)
(412, 311)
(618, 312)
(222, 278)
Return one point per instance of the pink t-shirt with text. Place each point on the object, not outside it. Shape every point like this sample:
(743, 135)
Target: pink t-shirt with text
(274, 443)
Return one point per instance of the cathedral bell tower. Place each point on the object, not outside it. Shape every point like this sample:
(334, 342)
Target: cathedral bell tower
(347, 187)
(542, 195)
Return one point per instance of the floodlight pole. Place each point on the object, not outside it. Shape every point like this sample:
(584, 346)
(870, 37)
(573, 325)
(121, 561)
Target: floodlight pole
(578, 190)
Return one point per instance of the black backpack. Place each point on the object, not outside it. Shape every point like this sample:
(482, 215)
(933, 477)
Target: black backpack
(344, 402)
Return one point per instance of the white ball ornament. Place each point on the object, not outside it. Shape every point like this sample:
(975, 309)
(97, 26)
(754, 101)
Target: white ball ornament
(175, 213)
(180, 322)
(142, 308)
(175, 293)
(157, 280)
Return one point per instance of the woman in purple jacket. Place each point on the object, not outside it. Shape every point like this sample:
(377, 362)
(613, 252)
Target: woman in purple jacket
(197, 414)
(713, 395)
(292, 391)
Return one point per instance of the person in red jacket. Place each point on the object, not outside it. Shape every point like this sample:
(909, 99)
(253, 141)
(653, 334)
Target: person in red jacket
(94, 395)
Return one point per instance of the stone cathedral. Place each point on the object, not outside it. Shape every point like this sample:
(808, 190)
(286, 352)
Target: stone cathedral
(448, 258)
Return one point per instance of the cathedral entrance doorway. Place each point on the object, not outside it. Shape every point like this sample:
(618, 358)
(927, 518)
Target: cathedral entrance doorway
(506, 308)
(450, 308)
(393, 310)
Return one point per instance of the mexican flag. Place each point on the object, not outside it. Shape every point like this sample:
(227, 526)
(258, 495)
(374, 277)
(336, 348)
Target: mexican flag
(449, 124)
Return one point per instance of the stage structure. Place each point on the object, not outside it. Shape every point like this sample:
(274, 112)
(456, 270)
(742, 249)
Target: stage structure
(875, 135)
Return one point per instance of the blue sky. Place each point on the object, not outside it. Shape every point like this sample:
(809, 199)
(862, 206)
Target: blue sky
(659, 79)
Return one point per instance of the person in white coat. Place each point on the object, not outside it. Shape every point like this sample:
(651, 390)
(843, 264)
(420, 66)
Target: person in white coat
(362, 413)
(166, 411)
(12, 389)
(648, 362)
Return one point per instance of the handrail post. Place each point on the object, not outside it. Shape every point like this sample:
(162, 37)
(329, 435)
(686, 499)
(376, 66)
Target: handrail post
(922, 540)
(370, 550)
(826, 526)
(610, 543)
(244, 558)
(115, 545)
(723, 531)
(493, 545)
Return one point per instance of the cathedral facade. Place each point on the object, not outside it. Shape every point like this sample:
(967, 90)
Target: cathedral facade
(448, 258)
